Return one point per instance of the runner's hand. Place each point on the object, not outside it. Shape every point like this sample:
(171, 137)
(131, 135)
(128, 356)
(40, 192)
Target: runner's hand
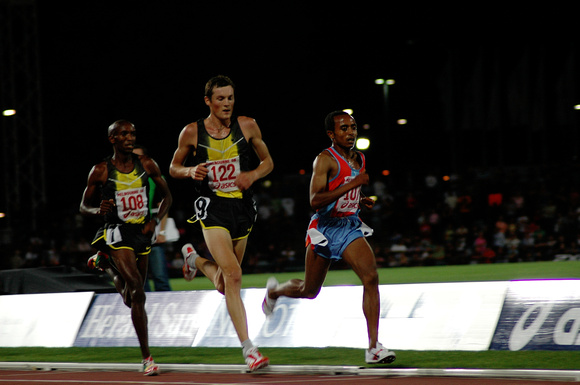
(106, 206)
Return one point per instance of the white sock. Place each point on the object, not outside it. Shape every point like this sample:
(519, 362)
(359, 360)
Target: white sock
(247, 345)
(191, 259)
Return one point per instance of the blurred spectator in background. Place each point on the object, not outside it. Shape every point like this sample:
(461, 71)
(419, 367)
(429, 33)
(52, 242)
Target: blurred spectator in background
(158, 270)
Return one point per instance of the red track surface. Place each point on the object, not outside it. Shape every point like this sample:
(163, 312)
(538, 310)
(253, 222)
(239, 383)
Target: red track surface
(180, 378)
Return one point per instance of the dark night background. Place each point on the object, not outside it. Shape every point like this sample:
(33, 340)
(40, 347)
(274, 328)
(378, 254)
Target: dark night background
(480, 86)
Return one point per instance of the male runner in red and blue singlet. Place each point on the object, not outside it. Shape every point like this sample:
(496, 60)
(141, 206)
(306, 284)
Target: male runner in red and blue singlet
(336, 231)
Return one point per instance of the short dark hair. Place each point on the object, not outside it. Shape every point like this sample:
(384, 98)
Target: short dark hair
(329, 120)
(117, 124)
(217, 82)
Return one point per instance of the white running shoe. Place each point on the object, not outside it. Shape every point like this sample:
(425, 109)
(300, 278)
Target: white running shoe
(188, 271)
(255, 360)
(379, 355)
(269, 303)
(150, 368)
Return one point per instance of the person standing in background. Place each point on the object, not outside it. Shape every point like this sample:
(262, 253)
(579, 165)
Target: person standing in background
(158, 270)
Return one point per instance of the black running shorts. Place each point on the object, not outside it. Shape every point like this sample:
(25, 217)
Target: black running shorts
(122, 236)
(237, 216)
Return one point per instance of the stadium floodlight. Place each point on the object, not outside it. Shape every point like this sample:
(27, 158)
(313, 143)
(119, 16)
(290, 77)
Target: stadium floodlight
(381, 82)
(362, 143)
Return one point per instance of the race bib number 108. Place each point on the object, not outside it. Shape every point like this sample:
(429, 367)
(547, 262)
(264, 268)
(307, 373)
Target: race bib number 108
(132, 204)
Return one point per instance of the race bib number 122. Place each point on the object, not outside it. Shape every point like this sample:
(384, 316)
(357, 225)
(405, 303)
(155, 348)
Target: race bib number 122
(222, 174)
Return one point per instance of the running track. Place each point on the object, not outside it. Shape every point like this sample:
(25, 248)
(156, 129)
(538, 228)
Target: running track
(288, 375)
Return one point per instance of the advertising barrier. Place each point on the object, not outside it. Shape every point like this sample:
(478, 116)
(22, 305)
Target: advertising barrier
(444, 316)
(540, 315)
(476, 316)
(47, 320)
(174, 319)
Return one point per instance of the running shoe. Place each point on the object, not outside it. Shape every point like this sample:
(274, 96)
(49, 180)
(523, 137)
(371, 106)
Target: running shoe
(255, 360)
(188, 271)
(269, 303)
(379, 355)
(150, 368)
(96, 261)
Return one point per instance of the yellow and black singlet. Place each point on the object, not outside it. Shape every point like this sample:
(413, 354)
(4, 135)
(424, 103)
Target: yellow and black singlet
(130, 191)
(225, 159)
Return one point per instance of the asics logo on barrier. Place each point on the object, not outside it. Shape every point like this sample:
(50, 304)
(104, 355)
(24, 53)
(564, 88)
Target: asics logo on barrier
(533, 320)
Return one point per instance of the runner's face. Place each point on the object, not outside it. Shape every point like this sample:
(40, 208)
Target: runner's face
(124, 138)
(221, 104)
(345, 131)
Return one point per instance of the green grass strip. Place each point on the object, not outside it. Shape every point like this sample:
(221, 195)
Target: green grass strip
(404, 275)
(562, 360)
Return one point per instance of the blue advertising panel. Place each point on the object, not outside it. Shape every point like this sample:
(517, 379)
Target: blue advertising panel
(174, 319)
(539, 315)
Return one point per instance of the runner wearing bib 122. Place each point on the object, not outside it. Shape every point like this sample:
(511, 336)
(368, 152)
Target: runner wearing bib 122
(221, 203)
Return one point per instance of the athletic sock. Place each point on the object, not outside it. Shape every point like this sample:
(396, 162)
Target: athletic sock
(192, 257)
(247, 345)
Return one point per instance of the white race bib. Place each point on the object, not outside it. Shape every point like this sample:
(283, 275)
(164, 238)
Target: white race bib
(132, 204)
(348, 203)
(222, 174)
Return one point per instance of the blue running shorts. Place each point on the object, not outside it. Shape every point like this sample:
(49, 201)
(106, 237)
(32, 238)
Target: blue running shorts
(329, 237)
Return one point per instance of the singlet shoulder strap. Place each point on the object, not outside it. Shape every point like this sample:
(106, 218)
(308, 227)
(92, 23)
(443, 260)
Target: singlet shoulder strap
(362, 159)
(339, 160)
